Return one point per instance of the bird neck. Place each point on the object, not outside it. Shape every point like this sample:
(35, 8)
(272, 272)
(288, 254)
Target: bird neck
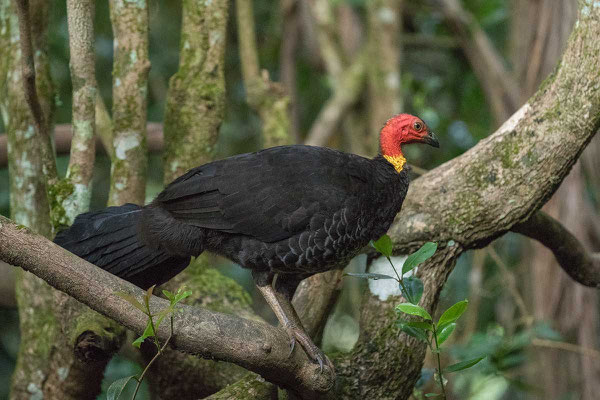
(391, 147)
(397, 161)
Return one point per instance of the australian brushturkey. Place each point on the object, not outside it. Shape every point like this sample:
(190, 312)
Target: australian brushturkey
(290, 211)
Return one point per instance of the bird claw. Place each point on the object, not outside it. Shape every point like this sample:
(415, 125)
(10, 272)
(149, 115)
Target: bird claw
(311, 350)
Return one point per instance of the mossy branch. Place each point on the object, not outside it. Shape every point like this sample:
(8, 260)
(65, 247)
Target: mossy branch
(130, 86)
(196, 97)
(574, 259)
(256, 346)
(477, 197)
(80, 18)
(266, 97)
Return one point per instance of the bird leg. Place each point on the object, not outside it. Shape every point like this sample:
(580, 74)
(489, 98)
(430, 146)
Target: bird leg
(279, 298)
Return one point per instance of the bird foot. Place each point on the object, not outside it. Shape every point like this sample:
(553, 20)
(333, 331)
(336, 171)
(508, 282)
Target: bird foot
(312, 351)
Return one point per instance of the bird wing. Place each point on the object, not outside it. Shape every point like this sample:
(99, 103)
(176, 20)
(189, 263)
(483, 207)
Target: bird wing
(270, 195)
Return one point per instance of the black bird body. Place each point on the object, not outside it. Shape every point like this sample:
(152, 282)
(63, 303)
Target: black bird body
(290, 211)
(293, 210)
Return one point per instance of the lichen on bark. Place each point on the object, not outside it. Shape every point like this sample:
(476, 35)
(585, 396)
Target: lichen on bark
(130, 87)
(196, 97)
(29, 203)
(194, 112)
(80, 16)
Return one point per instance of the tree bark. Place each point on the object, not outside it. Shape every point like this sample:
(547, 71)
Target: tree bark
(254, 345)
(59, 324)
(266, 97)
(130, 88)
(196, 97)
(195, 109)
(540, 30)
(29, 202)
(475, 198)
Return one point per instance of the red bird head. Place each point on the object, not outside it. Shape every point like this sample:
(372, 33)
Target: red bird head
(404, 129)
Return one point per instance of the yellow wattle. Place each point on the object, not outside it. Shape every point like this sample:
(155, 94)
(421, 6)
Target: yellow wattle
(397, 161)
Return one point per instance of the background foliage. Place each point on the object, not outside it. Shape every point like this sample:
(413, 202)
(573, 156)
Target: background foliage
(438, 84)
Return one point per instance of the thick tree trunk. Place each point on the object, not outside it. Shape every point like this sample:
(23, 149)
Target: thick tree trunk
(29, 203)
(540, 30)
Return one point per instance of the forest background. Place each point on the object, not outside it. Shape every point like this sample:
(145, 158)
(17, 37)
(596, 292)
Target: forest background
(462, 66)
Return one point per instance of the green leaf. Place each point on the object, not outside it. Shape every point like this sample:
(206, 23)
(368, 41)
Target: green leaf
(416, 258)
(132, 300)
(413, 309)
(169, 295)
(432, 395)
(148, 296)
(148, 332)
(414, 289)
(370, 275)
(383, 245)
(116, 388)
(426, 326)
(412, 331)
(180, 296)
(445, 333)
(463, 365)
(452, 314)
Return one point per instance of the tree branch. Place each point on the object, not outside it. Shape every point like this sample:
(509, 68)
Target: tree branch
(322, 14)
(290, 27)
(476, 197)
(42, 127)
(196, 98)
(130, 88)
(265, 96)
(574, 259)
(63, 134)
(498, 84)
(346, 93)
(7, 286)
(80, 15)
(254, 345)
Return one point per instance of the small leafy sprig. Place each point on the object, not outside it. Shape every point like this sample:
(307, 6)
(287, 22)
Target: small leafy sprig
(154, 321)
(411, 287)
(434, 334)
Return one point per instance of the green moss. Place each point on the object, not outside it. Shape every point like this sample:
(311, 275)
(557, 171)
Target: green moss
(91, 321)
(506, 151)
(215, 291)
(546, 84)
(78, 82)
(530, 159)
(40, 331)
(57, 194)
(196, 98)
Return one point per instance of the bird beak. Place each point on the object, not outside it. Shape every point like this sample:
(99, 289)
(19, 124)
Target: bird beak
(431, 139)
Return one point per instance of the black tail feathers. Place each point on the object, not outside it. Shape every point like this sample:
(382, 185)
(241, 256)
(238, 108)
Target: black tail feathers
(109, 239)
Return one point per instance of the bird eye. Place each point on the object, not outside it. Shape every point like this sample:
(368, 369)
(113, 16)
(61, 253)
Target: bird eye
(418, 126)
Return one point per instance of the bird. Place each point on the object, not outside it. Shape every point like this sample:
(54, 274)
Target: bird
(285, 213)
